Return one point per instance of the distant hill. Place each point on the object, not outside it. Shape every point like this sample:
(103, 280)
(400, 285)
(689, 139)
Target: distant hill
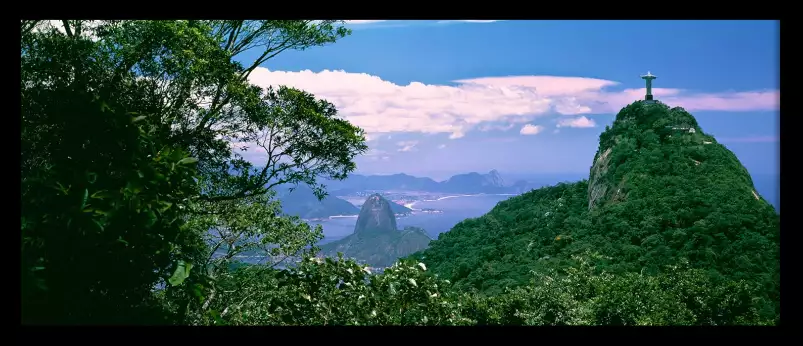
(473, 182)
(357, 182)
(660, 193)
(303, 203)
(376, 240)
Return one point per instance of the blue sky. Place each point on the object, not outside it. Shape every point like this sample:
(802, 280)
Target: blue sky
(440, 98)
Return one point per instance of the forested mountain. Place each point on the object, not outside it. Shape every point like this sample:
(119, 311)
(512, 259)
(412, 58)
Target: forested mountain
(660, 192)
(376, 240)
(136, 207)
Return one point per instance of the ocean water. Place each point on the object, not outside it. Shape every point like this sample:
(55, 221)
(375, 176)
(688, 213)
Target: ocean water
(455, 209)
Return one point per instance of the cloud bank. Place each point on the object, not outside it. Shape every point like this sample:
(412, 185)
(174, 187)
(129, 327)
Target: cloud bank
(531, 129)
(581, 122)
(380, 106)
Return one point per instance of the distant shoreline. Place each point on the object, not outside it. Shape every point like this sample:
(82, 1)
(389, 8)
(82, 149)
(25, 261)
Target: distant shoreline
(410, 206)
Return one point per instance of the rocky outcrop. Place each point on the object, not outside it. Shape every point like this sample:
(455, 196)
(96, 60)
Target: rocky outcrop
(596, 187)
(376, 241)
(376, 216)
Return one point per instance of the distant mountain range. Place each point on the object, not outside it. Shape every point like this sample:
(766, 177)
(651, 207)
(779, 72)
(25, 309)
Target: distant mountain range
(473, 182)
(303, 203)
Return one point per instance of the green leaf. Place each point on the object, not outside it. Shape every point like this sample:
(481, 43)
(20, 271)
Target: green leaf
(137, 119)
(101, 194)
(152, 218)
(83, 199)
(91, 177)
(97, 223)
(187, 161)
(164, 206)
(181, 273)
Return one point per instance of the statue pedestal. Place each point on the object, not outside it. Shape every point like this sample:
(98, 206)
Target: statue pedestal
(648, 97)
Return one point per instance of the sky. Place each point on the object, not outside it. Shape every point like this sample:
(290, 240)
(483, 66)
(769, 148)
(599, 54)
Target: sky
(438, 98)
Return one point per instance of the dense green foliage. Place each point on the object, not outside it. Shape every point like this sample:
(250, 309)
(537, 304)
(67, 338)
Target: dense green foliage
(501, 248)
(658, 193)
(136, 207)
(128, 174)
(342, 292)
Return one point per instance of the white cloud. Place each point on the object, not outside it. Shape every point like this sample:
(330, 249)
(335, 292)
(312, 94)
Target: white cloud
(383, 107)
(577, 122)
(531, 129)
(407, 145)
(442, 146)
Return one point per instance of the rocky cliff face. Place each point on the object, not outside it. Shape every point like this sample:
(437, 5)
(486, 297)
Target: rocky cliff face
(376, 216)
(376, 241)
(494, 179)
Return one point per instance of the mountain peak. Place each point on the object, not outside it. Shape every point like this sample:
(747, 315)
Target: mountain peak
(493, 178)
(376, 216)
(376, 241)
(660, 191)
(671, 143)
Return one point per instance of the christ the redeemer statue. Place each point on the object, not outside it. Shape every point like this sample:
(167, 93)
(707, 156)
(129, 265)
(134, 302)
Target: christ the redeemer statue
(648, 77)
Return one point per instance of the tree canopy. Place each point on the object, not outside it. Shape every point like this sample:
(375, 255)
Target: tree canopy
(137, 204)
(129, 167)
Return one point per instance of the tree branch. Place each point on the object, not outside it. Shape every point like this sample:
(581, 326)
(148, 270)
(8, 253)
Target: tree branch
(264, 57)
(67, 28)
(235, 30)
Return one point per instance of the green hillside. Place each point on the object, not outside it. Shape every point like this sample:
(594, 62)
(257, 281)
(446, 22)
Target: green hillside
(660, 192)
